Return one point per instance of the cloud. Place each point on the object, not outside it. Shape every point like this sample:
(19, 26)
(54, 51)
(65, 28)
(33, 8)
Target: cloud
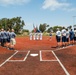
(13, 2)
(56, 4)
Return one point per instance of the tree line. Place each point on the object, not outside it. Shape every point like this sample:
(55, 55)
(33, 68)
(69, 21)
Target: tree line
(16, 23)
(45, 27)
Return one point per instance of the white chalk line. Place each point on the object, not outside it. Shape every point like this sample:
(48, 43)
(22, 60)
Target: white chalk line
(67, 73)
(20, 60)
(40, 59)
(62, 48)
(47, 50)
(8, 59)
(45, 60)
(40, 56)
(26, 56)
(21, 51)
(15, 61)
(49, 60)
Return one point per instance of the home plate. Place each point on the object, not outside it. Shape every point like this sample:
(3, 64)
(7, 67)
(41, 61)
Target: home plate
(34, 55)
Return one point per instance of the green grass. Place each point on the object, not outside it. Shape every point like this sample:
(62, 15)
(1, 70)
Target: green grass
(27, 34)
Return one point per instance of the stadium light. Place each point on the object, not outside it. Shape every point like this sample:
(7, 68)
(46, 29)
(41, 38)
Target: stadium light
(74, 21)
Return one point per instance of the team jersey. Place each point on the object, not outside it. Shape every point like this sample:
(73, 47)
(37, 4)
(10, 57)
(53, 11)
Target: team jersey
(2, 35)
(12, 35)
(50, 34)
(5, 35)
(30, 34)
(40, 35)
(63, 32)
(8, 34)
(71, 34)
(67, 34)
(58, 33)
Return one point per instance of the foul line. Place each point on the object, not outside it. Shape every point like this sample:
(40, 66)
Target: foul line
(62, 48)
(8, 59)
(67, 73)
(46, 50)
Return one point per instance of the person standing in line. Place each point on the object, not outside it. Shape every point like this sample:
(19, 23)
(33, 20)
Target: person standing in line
(74, 35)
(50, 35)
(31, 36)
(8, 37)
(37, 35)
(67, 37)
(40, 35)
(58, 38)
(5, 38)
(63, 33)
(2, 37)
(71, 37)
(12, 40)
(34, 36)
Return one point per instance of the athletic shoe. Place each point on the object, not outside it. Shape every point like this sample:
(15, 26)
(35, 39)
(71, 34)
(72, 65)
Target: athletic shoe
(10, 49)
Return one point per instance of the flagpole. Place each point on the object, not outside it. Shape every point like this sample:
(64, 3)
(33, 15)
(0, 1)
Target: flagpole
(73, 21)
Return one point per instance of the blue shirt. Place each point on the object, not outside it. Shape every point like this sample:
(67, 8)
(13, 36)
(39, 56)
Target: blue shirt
(5, 35)
(2, 35)
(71, 34)
(8, 34)
(12, 35)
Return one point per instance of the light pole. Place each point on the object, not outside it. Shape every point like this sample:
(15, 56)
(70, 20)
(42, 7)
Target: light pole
(74, 26)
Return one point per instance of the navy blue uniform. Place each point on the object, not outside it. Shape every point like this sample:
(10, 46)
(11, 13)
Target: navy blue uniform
(71, 35)
(12, 41)
(8, 36)
(5, 37)
(74, 35)
(12, 35)
(64, 35)
(58, 36)
(2, 38)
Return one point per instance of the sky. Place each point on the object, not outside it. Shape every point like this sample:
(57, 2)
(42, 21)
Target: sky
(52, 12)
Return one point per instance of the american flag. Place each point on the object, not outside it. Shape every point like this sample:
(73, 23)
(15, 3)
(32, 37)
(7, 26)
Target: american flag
(34, 28)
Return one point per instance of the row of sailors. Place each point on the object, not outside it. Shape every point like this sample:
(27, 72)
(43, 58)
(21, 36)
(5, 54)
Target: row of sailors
(66, 37)
(7, 38)
(35, 36)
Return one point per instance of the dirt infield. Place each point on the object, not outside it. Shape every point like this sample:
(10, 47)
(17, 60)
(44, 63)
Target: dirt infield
(24, 43)
(38, 58)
